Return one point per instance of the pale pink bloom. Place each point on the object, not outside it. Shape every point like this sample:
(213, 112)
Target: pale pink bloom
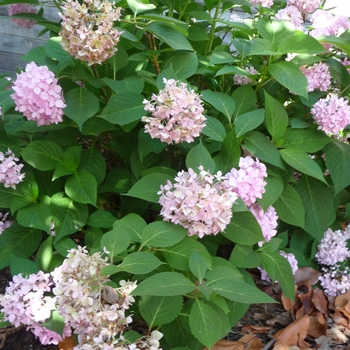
(333, 247)
(291, 14)
(10, 171)
(248, 181)
(318, 76)
(305, 6)
(46, 336)
(346, 62)
(244, 79)
(4, 224)
(263, 3)
(335, 281)
(87, 30)
(38, 96)
(177, 113)
(332, 114)
(13, 9)
(267, 221)
(201, 203)
(325, 23)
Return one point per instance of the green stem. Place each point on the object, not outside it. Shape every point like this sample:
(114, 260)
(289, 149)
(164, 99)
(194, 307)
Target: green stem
(212, 29)
(184, 9)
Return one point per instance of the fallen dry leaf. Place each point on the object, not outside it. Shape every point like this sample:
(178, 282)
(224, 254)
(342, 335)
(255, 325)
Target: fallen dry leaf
(342, 304)
(67, 343)
(319, 300)
(255, 329)
(337, 335)
(287, 303)
(251, 342)
(247, 342)
(281, 346)
(339, 318)
(306, 276)
(318, 325)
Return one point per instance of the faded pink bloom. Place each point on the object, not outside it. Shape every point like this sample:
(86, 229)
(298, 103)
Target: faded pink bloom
(38, 96)
(263, 3)
(10, 171)
(332, 114)
(244, 79)
(291, 14)
(328, 24)
(335, 281)
(333, 247)
(200, 203)
(267, 221)
(87, 30)
(305, 6)
(318, 76)
(176, 113)
(13, 9)
(4, 224)
(248, 182)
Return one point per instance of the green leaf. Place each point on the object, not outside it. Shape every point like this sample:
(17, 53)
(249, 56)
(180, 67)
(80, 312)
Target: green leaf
(290, 76)
(101, 219)
(220, 101)
(148, 186)
(230, 153)
(249, 121)
(178, 255)
(115, 241)
(133, 224)
(221, 57)
(261, 47)
(243, 229)
(140, 263)
(23, 266)
(289, 207)
(63, 245)
(318, 203)
(44, 254)
(275, 31)
(42, 155)
(55, 323)
(276, 117)
(279, 268)
(273, 189)
(124, 108)
(137, 6)
(197, 266)
(19, 242)
(300, 43)
(119, 60)
(170, 36)
(159, 310)
(204, 323)
(258, 145)
(199, 156)
(245, 99)
(70, 162)
(183, 63)
(93, 162)
(341, 43)
(147, 145)
(338, 163)
(307, 140)
(244, 256)
(81, 187)
(222, 273)
(165, 284)
(81, 105)
(214, 129)
(302, 162)
(133, 83)
(162, 234)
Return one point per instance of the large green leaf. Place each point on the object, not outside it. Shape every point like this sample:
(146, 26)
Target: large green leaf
(93, 162)
(245, 99)
(204, 323)
(243, 229)
(133, 224)
(124, 108)
(300, 43)
(249, 121)
(165, 284)
(214, 129)
(42, 155)
(140, 263)
(115, 241)
(133, 84)
(338, 163)
(137, 6)
(244, 256)
(183, 63)
(318, 203)
(276, 117)
(273, 189)
(275, 31)
(290, 76)
(199, 156)
(159, 310)
(220, 101)
(81, 105)
(341, 43)
(289, 207)
(302, 162)
(197, 266)
(81, 187)
(162, 234)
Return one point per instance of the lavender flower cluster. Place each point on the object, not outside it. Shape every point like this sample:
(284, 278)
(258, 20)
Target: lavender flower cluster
(10, 171)
(13, 9)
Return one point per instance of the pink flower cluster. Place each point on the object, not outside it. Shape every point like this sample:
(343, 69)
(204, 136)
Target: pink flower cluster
(93, 309)
(248, 181)
(243, 79)
(318, 76)
(335, 281)
(325, 23)
(21, 8)
(292, 261)
(305, 6)
(25, 302)
(10, 171)
(332, 249)
(87, 30)
(332, 114)
(176, 113)
(38, 96)
(201, 203)
(263, 3)
(4, 224)
(291, 14)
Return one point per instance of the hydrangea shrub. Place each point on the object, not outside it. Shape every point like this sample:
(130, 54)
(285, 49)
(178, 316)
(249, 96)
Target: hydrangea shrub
(154, 154)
